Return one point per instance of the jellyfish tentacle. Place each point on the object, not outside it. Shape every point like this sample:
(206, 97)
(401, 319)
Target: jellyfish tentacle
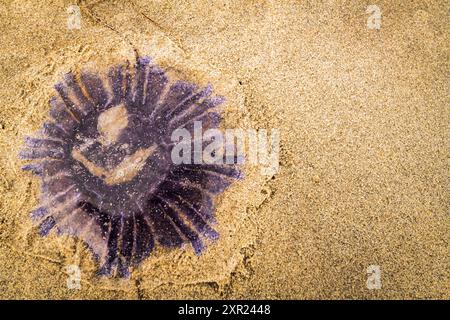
(144, 241)
(155, 85)
(126, 248)
(95, 89)
(110, 259)
(116, 81)
(75, 92)
(165, 232)
(140, 79)
(185, 230)
(48, 224)
(187, 103)
(199, 200)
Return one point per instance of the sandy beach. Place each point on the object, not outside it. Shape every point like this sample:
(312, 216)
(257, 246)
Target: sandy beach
(363, 120)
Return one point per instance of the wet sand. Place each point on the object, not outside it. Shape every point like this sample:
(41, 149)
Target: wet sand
(363, 120)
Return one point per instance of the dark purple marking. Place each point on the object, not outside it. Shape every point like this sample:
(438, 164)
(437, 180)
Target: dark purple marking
(46, 226)
(123, 219)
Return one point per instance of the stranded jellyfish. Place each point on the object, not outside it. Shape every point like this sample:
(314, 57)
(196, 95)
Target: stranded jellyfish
(106, 169)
